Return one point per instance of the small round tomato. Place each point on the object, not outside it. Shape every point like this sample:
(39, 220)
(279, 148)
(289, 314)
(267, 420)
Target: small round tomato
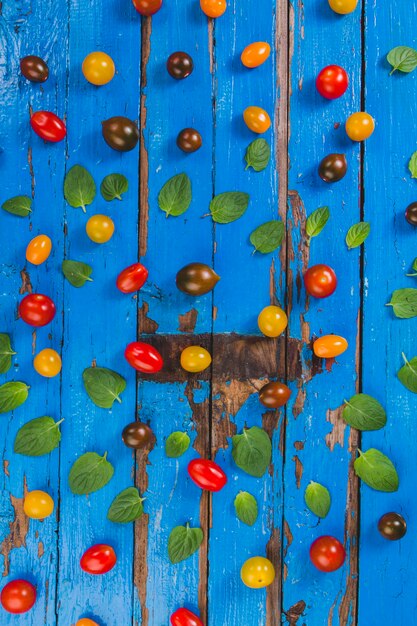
(360, 126)
(36, 309)
(38, 249)
(329, 346)
(411, 214)
(255, 54)
(327, 553)
(147, 7)
(257, 572)
(257, 119)
(47, 363)
(85, 621)
(184, 617)
(272, 321)
(18, 596)
(207, 474)
(143, 357)
(98, 68)
(274, 395)
(343, 7)
(213, 8)
(98, 559)
(195, 359)
(392, 526)
(320, 281)
(332, 82)
(100, 228)
(48, 126)
(132, 278)
(38, 504)
(137, 435)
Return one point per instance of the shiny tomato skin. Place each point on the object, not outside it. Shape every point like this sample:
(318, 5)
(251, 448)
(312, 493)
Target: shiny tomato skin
(332, 82)
(85, 621)
(18, 596)
(257, 572)
(320, 281)
(213, 8)
(48, 126)
(98, 68)
(257, 119)
(36, 309)
(343, 7)
(184, 617)
(38, 504)
(132, 278)
(147, 7)
(359, 126)
(327, 553)
(38, 249)
(255, 54)
(143, 357)
(207, 474)
(47, 363)
(98, 559)
(329, 346)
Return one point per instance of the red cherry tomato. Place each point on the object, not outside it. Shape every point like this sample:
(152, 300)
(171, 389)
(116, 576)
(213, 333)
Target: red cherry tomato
(320, 281)
(144, 357)
(98, 559)
(37, 309)
(207, 474)
(147, 7)
(327, 553)
(132, 278)
(332, 82)
(48, 126)
(18, 596)
(184, 617)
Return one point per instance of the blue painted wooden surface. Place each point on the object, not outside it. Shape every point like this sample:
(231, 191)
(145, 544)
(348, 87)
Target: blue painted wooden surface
(310, 441)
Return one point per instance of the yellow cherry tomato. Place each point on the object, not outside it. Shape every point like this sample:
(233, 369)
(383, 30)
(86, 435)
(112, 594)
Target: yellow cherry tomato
(360, 126)
(38, 249)
(195, 359)
(257, 572)
(86, 622)
(100, 228)
(257, 119)
(343, 7)
(255, 54)
(98, 68)
(272, 321)
(213, 8)
(38, 504)
(47, 363)
(329, 346)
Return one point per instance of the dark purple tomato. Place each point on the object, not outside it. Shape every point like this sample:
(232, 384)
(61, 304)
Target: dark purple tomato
(137, 435)
(189, 140)
(34, 69)
(392, 526)
(274, 394)
(333, 168)
(180, 65)
(120, 133)
(411, 214)
(196, 279)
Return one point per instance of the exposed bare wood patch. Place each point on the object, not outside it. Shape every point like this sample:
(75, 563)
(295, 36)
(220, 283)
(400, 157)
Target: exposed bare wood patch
(270, 421)
(295, 612)
(143, 152)
(273, 593)
(31, 172)
(299, 469)
(146, 325)
(201, 419)
(6, 467)
(337, 434)
(19, 528)
(187, 322)
(26, 286)
(205, 524)
(41, 549)
(299, 445)
(298, 405)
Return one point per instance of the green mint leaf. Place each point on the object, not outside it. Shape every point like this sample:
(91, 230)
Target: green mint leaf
(6, 353)
(175, 196)
(246, 508)
(76, 273)
(268, 237)
(402, 58)
(183, 542)
(126, 507)
(412, 165)
(317, 221)
(12, 395)
(258, 155)
(38, 437)
(317, 498)
(404, 303)
(79, 187)
(18, 205)
(229, 206)
(113, 185)
(376, 470)
(363, 412)
(414, 268)
(252, 451)
(177, 444)
(90, 473)
(408, 374)
(357, 234)
(103, 386)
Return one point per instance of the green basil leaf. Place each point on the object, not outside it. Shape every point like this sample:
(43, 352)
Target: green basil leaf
(229, 206)
(103, 385)
(246, 508)
(176, 444)
(252, 451)
(357, 234)
(6, 353)
(183, 542)
(18, 205)
(412, 165)
(79, 187)
(77, 273)
(175, 196)
(376, 470)
(126, 507)
(258, 155)
(90, 473)
(317, 498)
(37, 437)
(402, 58)
(363, 412)
(414, 268)
(404, 303)
(268, 237)
(113, 185)
(317, 221)
(12, 395)
(408, 374)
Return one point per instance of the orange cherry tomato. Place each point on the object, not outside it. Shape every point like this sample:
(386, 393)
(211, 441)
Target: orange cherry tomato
(329, 346)
(255, 54)
(98, 68)
(147, 7)
(257, 119)
(360, 126)
(47, 363)
(38, 249)
(213, 8)
(85, 621)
